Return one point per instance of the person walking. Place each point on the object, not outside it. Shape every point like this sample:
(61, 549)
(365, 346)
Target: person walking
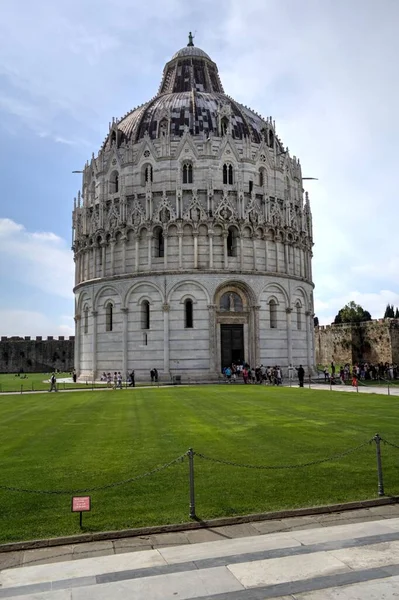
(301, 375)
(132, 381)
(53, 383)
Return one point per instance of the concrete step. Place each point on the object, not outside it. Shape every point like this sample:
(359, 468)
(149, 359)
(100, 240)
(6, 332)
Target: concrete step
(357, 560)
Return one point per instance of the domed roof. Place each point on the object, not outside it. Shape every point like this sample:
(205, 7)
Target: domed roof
(191, 51)
(190, 96)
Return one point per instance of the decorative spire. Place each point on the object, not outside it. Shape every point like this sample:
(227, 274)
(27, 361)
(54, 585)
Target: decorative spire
(190, 39)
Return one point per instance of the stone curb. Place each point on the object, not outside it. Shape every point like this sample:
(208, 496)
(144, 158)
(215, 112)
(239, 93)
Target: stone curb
(198, 524)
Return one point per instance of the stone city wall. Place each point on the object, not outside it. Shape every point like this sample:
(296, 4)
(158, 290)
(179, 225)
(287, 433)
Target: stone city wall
(372, 341)
(36, 355)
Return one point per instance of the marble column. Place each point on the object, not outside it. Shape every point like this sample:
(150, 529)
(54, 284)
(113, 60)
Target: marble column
(136, 253)
(149, 246)
(124, 242)
(225, 257)
(256, 310)
(308, 339)
(112, 244)
(166, 361)
(103, 259)
(266, 254)
(210, 235)
(241, 252)
(276, 246)
(289, 335)
(286, 258)
(165, 250)
(212, 338)
(94, 345)
(254, 250)
(77, 345)
(125, 312)
(180, 238)
(301, 267)
(195, 250)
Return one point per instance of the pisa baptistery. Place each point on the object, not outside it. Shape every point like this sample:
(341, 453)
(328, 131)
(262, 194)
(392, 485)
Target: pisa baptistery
(192, 238)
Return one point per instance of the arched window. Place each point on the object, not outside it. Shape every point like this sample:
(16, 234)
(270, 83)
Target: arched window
(262, 177)
(113, 137)
(145, 314)
(271, 139)
(109, 317)
(114, 182)
(159, 243)
(232, 242)
(147, 175)
(273, 314)
(86, 320)
(227, 174)
(224, 126)
(188, 314)
(298, 316)
(251, 186)
(187, 173)
(163, 128)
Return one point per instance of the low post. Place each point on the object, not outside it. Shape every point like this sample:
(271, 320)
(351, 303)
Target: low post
(377, 440)
(191, 476)
(330, 385)
(22, 387)
(389, 389)
(309, 381)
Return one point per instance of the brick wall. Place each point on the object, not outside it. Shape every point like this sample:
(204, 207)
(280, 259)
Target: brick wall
(35, 355)
(371, 341)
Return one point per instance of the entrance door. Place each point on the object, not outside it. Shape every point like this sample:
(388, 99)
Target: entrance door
(232, 344)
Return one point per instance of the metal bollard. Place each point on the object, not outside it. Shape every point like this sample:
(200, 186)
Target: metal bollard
(22, 387)
(191, 476)
(389, 389)
(377, 440)
(309, 381)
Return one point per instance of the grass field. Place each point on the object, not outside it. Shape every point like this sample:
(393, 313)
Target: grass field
(33, 382)
(87, 439)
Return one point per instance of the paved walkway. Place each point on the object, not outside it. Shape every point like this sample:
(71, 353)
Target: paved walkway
(353, 555)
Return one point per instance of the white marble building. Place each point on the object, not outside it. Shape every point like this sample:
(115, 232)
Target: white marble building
(192, 240)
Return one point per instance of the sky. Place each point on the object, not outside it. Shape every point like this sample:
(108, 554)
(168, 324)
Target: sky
(326, 71)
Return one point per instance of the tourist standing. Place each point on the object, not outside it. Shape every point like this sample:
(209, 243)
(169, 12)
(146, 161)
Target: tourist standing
(301, 375)
(119, 380)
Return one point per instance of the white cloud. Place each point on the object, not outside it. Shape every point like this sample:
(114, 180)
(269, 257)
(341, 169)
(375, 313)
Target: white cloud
(324, 70)
(25, 322)
(38, 259)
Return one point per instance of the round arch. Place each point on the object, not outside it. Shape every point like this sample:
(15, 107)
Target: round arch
(188, 282)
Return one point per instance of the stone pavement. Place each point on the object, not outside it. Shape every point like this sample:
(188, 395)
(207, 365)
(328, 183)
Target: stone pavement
(348, 556)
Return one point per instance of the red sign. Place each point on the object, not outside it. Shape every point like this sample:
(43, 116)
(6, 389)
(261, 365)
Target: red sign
(81, 503)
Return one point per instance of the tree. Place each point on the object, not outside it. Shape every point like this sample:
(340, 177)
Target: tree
(352, 313)
(397, 313)
(389, 312)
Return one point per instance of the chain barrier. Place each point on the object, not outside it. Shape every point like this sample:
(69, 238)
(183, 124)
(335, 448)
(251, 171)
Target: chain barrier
(390, 443)
(99, 487)
(276, 467)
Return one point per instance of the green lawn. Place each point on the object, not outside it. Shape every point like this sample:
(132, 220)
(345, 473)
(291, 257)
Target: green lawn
(9, 382)
(81, 440)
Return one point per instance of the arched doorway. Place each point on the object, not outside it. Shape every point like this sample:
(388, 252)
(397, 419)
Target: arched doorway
(235, 326)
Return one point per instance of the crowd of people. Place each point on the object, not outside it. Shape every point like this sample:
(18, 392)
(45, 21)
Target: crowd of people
(115, 380)
(361, 371)
(261, 374)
